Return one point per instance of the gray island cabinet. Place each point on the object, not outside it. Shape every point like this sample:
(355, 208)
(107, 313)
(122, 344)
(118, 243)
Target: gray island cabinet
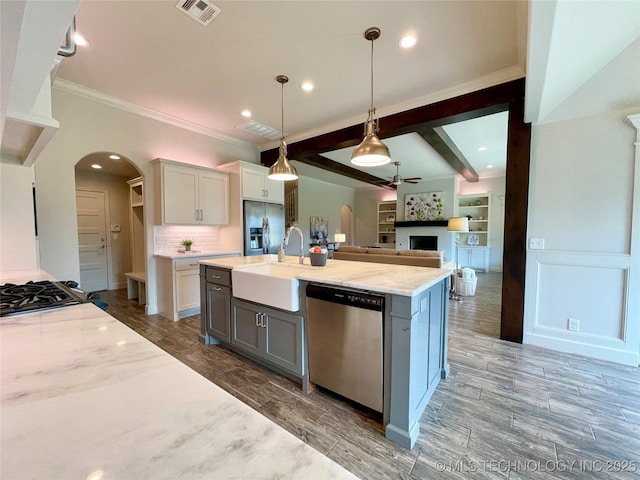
(414, 325)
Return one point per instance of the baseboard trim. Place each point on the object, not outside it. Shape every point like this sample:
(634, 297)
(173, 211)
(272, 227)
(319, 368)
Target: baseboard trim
(588, 350)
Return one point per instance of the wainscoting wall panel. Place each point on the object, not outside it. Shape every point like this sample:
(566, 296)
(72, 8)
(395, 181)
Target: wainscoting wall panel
(596, 295)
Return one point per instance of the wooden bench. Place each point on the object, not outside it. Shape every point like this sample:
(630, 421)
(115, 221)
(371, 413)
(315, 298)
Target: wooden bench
(136, 286)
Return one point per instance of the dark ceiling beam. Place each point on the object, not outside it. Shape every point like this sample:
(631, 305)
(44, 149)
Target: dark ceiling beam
(471, 105)
(336, 167)
(446, 147)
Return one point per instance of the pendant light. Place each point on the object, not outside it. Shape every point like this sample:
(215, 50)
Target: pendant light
(371, 152)
(282, 169)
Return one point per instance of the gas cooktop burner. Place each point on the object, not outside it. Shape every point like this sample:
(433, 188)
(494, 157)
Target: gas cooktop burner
(42, 295)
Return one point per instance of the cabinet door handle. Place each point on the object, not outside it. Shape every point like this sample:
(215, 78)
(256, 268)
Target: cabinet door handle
(266, 193)
(195, 214)
(201, 215)
(258, 319)
(262, 322)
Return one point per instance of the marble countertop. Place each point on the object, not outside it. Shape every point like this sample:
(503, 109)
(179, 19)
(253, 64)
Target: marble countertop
(378, 277)
(174, 254)
(83, 394)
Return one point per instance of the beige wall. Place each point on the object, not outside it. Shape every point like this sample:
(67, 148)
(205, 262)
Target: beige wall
(366, 213)
(118, 243)
(18, 249)
(88, 126)
(318, 198)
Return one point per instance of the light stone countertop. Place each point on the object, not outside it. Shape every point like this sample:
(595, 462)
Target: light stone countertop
(174, 254)
(378, 277)
(83, 393)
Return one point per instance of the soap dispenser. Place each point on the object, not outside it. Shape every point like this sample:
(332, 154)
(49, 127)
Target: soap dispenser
(281, 252)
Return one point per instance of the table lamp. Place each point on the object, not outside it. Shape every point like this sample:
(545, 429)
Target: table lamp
(339, 238)
(457, 225)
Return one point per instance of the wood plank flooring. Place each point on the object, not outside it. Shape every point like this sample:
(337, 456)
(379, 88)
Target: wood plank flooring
(507, 411)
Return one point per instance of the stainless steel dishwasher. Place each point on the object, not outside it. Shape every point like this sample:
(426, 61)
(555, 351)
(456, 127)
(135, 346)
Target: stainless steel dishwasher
(345, 343)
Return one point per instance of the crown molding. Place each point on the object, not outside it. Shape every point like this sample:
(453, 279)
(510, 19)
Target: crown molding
(103, 98)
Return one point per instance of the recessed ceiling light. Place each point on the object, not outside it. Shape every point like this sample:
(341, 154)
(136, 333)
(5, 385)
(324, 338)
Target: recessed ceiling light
(307, 86)
(80, 40)
(246, 113)
(408, 41)
(489, 166)
(482, 149)
(96, 166)
(114, 157)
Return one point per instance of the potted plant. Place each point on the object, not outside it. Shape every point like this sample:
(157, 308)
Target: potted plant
(187, 244)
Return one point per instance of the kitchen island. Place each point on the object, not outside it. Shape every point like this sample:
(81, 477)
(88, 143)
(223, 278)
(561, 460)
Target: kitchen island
(83, 396)
(414, 323)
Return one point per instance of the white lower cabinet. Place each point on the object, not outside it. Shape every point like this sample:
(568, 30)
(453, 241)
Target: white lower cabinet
(188, 286)
(475, 257)
(178, 282)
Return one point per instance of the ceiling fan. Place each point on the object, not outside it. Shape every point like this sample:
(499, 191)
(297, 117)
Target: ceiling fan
(396, 180)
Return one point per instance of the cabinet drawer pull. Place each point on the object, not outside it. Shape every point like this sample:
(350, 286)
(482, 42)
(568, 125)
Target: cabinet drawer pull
(193, 264)
(217, 289)
(216, 276)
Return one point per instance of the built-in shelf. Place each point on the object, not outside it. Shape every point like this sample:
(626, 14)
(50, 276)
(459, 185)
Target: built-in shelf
(386, 230)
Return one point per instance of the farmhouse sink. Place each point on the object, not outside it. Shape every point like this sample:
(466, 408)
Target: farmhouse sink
(272, 284)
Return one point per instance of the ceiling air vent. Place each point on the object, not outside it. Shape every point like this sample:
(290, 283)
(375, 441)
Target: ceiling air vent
(260, 130)
(200, 10)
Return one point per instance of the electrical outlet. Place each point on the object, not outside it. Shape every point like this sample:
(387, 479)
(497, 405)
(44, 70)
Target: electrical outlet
(536, 243)
(574, 325)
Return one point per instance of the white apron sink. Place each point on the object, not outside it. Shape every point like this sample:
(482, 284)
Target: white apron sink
(270, 284)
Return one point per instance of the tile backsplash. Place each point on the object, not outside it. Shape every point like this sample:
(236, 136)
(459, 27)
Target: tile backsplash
(167, 239)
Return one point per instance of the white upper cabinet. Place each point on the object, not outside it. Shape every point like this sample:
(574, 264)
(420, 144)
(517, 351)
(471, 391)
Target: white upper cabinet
(256, 185)
(186, 195)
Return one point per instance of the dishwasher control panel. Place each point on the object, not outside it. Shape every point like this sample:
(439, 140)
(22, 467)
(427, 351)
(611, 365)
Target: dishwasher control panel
(350, 298)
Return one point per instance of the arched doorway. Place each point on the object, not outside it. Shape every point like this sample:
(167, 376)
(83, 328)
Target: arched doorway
(346, 223)
(110, 219)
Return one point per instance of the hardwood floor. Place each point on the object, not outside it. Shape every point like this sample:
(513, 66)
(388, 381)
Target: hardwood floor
(507, 410)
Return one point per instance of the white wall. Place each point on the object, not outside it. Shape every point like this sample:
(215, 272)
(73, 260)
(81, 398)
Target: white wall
(118, 243)
(318, 198)
(495, 186)
(582, 201)
(88, 126)
(18, 249)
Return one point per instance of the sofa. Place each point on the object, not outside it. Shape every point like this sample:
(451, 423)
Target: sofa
(418, 258)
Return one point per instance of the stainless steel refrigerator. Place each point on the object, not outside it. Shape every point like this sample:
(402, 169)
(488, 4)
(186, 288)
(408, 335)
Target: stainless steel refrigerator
(263, 227)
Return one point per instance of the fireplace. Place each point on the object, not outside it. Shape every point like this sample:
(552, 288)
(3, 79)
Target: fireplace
(423, 242)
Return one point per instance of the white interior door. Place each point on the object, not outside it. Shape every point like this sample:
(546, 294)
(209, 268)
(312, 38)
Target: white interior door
(92, 240)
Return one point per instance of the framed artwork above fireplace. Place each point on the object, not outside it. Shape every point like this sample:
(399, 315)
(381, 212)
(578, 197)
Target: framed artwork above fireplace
(423, 206)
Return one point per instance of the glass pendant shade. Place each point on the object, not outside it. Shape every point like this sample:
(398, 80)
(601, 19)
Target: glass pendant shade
(371, 152)
(282, 170)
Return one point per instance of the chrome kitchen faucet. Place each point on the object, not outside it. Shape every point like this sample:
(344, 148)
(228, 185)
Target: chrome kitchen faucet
(286, 242)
